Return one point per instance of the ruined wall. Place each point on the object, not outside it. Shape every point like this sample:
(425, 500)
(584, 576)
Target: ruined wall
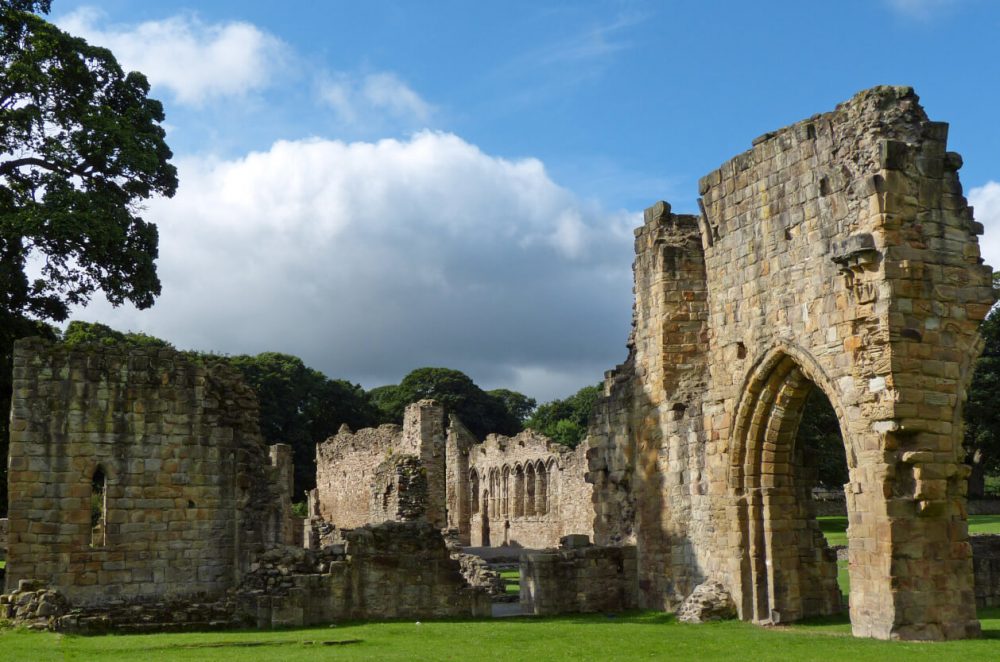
(359, 474)
(459, 496)
(165, 451)
(986, 569)
(527, 490)
(838, 254)
(579, 579)
(390, 570)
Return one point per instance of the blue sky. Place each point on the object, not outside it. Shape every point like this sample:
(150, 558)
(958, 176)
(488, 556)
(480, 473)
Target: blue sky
(379, 186)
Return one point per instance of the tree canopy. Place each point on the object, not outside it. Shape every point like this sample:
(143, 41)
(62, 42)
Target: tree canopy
(81, 147)
(982, 409)
(301, 406)
(565, 421)
(482, 413)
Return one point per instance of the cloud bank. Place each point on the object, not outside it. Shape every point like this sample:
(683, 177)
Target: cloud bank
(369, 259)
(195, 61)
(986, 203)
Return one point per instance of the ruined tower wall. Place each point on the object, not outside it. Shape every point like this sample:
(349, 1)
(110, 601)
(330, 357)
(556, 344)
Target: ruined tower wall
(359, 474)
(458, 491)
(346, 465)
(838, 254)
(188, 495)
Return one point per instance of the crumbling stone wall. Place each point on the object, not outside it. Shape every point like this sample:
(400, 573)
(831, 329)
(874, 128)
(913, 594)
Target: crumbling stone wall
(426, 470)
(579, 577)
(839, 254)
(986, 569)
(361, 475)
(389, 570)
(162, 451)
(527, 490)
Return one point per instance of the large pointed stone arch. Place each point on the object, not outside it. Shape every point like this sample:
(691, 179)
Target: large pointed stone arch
(786, 571)
(839, 252)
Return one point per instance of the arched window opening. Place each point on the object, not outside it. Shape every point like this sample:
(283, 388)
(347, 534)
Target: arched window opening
(505, 489)
(529, 491)
(474, 491)
(98, 508)
(541, 490)
(519, 492)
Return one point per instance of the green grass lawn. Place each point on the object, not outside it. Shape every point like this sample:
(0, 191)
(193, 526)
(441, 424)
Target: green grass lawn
(835, 527)
(636, 636)
(513, 580)
(641, 635)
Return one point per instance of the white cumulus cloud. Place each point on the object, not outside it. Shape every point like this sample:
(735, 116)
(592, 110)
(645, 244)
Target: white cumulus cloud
(986, 203)
(369, 259)
(920, 9)
(196, 61)
(361, 98)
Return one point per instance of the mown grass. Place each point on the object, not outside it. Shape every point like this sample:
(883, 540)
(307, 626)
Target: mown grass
(834, 527)
(512, 579)
(635, 636)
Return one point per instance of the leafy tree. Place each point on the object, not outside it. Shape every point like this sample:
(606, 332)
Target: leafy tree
(300, 406)
(982, 409)
(81, 147)
(480, 411)
(517, 404)
(79, 332)
(819, 432)
(565, 421)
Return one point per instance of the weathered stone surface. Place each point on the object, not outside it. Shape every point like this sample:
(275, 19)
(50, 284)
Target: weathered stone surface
(389, 473)
(986, 569)
(389, 570)
(580, 579)
(187, 494)
(524, 490)
(710, 601)
(839, 254)
(527, 491)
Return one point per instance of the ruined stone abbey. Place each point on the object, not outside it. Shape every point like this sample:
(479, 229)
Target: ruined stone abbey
(836, 254)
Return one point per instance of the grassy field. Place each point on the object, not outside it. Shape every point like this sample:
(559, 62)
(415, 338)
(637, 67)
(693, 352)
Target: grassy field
(643, 635)
(638, 636)
(513, 580)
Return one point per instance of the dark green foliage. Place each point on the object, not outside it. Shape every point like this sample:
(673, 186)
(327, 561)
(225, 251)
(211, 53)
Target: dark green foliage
(94, 332)
(300, 406)
(819, 432)
(565, 421)
(81, 147)
(481, 412)
(982, 410)
(517, 404)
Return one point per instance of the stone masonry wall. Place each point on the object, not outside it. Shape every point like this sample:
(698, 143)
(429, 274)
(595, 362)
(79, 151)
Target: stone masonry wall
(169, 449)
(986, 569)
(838, 254)
(352, 470)
(579, 579)
(390, 570)
(527, 490)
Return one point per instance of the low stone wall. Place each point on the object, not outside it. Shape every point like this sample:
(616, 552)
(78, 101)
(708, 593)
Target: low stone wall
(579, 578)
(390, 570)
(986, 569)
(983, 506)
